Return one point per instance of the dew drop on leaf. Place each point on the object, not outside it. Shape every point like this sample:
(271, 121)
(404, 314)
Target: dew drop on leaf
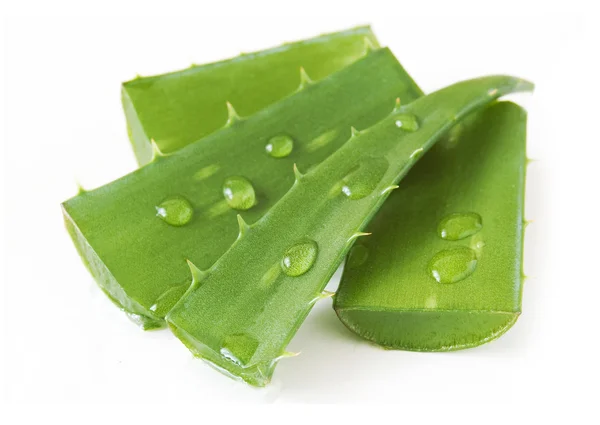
(458, 226)
(299, 258)
(239, 193)
(453, 265)
(176, 211)
(407, 122)
(280, 146)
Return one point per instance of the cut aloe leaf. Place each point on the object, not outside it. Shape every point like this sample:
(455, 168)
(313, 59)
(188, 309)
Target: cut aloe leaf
(179, 108)
(442, 270)
(240, 314)
(136, 233)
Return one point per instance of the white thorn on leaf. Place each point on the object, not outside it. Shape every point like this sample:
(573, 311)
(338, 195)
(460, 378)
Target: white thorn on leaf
(358, 235)
(197, 274)
(389, 189)
(305, 80)
(243, 226)
(369, 45)
(297, 173)
(156, 152)
(232, 115)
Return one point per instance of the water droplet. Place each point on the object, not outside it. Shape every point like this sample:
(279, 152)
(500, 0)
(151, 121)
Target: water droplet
(407, 122)
(357, 257)
(477, 244)
(364, 178)
(299, 258)
(458, 226)
(168, 299)
(176, 211)
(239, 348)
(280, 146)
(239, 193)
(453, 265)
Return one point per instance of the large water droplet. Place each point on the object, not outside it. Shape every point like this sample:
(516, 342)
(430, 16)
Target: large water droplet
(458, 226)
(239, 193)
(175, 211)
(364, 178)
(453, 265)
(280, 146)
(239, 348)
(357, 257)
(407, 122)
(299, 258)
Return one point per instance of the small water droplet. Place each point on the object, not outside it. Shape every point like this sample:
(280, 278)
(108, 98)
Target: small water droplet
(357, 257)
(364, 178)
(453, 265)
(477, 244)
(280, 146)
(407, 122)
(299, 258)
(176, 211)
(458, 226)
(239, 348)
(239, 193)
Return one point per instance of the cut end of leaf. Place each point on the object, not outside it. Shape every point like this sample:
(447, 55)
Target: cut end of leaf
(425, 330)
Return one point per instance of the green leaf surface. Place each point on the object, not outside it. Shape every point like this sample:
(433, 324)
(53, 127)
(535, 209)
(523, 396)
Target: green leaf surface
(181, 107)
(240, 314)
(442, 270)
(136, 233)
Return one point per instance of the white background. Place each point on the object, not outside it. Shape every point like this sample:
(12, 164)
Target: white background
(65, 343)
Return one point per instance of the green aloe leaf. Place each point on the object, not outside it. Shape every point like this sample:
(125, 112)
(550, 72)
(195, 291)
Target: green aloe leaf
(240, 314)
(442, 270)
(136, 233)
(181, 107)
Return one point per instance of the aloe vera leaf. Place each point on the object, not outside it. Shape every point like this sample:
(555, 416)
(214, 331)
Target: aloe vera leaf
(181, 107)
(241, 313)
(139, 259)
(465, 200)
